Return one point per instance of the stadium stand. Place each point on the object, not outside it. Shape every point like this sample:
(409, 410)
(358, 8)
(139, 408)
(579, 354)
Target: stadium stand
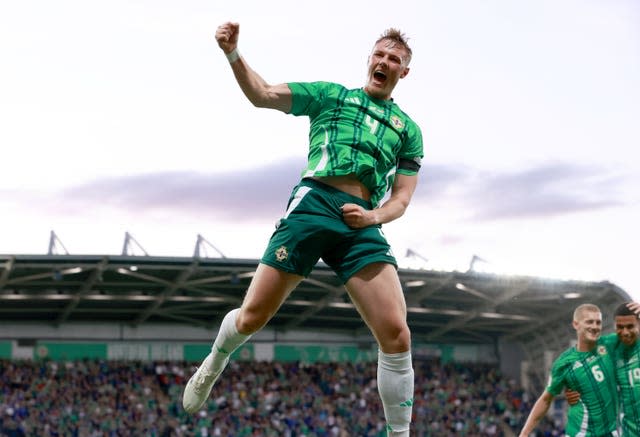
(88, 398)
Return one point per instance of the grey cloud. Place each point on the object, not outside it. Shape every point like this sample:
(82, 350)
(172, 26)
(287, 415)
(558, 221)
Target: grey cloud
(243, 195)
(261, 194)
(543, 191)
(436, 181)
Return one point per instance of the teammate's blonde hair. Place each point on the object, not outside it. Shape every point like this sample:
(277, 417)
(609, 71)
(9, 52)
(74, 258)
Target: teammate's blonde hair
(584, 308)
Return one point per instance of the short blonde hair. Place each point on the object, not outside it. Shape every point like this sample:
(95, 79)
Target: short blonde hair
(397, 37)
(585, 307)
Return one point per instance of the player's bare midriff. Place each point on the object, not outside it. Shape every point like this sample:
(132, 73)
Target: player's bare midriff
(348, 183)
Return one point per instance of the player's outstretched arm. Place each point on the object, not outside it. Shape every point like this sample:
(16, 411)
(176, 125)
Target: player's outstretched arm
(257, 90)
(538, 411)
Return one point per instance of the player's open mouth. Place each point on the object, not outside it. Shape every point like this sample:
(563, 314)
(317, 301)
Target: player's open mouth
(379, 76)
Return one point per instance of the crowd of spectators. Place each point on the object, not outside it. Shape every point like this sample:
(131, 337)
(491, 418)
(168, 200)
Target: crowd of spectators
(91, 398)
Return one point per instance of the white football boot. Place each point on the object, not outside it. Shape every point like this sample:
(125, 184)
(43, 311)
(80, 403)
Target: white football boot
(199, 386)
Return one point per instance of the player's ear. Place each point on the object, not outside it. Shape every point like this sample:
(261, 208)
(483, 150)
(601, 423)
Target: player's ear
(404, 73)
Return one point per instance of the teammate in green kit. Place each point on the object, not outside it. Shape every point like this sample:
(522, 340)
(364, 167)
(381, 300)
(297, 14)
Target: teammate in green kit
(627, 362)
(361, 146)
(626, 358)
(586, 368)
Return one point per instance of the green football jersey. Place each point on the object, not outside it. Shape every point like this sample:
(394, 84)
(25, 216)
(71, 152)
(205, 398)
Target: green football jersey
(353, 133)
(627, 362)
(593, 375)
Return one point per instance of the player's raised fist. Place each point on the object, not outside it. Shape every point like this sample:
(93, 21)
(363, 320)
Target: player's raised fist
(227, 36)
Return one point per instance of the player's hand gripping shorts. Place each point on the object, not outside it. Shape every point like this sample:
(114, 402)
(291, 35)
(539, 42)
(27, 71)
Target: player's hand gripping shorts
(313, 228)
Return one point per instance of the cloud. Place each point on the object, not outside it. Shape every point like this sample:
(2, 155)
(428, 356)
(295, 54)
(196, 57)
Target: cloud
(247, 195)
(546, 190)
(241, 195)
(437, 181)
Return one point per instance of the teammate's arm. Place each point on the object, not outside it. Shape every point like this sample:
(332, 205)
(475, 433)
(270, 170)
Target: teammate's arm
(538, 411)
(635, 307)
(401, 192)
(257, 90)
(573, 397)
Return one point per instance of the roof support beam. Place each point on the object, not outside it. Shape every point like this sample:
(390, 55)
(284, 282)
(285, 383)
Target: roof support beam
(87, 286)
(490, 307)
(8, 266)
(166, 293)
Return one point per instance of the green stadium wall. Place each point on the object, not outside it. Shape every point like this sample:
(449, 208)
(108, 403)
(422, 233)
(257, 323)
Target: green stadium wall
(6, 349)
(193, 352)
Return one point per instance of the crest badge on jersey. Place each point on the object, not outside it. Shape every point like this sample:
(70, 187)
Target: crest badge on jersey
(397, 122)
(282, 253)
(602, 350)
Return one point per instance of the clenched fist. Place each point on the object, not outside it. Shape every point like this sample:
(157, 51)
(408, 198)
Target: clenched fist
(227, 36)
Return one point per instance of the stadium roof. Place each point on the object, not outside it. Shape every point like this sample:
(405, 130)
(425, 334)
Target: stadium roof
(443, 307)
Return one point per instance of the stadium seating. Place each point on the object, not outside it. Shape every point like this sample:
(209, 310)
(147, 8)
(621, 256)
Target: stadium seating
(90, 398)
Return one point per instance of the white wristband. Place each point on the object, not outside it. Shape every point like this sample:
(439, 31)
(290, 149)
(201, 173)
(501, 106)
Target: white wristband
(233, 56)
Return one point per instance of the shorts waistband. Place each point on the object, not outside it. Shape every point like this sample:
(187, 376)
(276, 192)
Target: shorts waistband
(345, 197)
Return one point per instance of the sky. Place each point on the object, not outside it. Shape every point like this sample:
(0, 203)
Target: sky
(123, 117)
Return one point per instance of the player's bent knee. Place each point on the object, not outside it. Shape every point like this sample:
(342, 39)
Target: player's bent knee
(250, 321)
(396, 341)
(404, 340)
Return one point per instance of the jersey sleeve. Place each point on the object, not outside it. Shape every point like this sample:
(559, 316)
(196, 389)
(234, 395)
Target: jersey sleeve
(610, 341)
(307, 97)
(411, 154)
(556, 379)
